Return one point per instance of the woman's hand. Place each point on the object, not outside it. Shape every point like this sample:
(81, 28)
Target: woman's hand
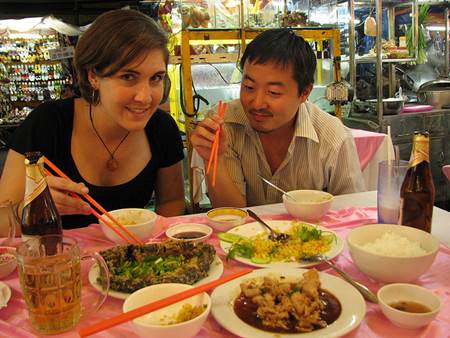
(203, 137)
(66, 204)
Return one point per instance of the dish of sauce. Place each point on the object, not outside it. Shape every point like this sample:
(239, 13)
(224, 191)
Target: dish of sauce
(189, 235)
(407, 306)
(245, 309)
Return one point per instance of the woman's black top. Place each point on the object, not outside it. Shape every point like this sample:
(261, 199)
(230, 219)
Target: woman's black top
(48, 129)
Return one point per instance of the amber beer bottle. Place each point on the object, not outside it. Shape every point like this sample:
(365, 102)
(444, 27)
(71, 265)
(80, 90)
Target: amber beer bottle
(39, 215)
(417, 191)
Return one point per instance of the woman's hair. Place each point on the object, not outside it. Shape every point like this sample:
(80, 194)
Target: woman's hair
(112, 41)
(283, 47)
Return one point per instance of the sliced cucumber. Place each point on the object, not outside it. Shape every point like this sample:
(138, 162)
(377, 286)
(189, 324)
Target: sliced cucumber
(266, 260)
(229, 237)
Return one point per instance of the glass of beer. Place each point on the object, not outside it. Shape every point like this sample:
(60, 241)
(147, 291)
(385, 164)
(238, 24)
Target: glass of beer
(50, 278)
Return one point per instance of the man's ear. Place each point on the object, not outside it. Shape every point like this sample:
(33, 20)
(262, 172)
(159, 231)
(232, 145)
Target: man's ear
(305, 94)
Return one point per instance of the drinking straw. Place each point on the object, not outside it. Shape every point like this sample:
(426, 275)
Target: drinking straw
(96, 204)
(145, 309)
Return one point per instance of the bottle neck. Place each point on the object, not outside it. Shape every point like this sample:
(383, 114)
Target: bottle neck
(420, 151)
(35, 182)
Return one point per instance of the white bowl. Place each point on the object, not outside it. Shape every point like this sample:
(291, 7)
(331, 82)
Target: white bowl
(394, 293)
(309, 205)
(8, 260)
(140, 222)
(152, 325)
(224, 219)
(191, 232)
(389, 268)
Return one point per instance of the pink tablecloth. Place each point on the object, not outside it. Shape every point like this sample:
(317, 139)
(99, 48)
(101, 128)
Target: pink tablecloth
(367, 144)
(14, 322)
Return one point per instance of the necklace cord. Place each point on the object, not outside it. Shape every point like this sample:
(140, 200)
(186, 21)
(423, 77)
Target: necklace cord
(111, 154)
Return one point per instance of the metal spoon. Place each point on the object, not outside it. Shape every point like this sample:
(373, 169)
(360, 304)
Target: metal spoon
(273, 235)
(364, 290)
(278, 188)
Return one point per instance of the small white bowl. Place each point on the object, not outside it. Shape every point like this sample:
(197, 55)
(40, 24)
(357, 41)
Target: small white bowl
(152, 324)
(191, 232)
(394, 293)
(224, 219)
(309, 205)
(8, 260)
(389, 268)
(140, 222)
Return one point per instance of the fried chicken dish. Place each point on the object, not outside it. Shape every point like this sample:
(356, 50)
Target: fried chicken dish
(277, 305)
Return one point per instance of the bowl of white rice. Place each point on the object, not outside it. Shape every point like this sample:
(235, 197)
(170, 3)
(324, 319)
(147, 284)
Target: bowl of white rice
(392, 253)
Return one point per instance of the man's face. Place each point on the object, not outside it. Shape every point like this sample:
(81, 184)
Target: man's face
(269, 95)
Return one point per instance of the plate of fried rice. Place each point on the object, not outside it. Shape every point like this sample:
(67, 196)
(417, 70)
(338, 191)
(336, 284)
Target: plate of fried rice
(250, 244)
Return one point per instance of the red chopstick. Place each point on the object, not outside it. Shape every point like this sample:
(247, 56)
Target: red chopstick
(96, 214)
(216, 143)
(140, 311)
(98, 206)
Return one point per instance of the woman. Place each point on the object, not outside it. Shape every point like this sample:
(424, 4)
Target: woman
(113, 142)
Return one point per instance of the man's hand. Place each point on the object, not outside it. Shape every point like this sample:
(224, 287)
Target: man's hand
(203, 137)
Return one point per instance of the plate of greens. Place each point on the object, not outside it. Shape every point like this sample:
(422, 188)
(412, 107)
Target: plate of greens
(249, 244)
(215, 271)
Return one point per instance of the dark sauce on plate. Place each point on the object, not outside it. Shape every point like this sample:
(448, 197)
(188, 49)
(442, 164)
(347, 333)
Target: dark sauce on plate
(407, 306)
(245, 309)
(189, 235)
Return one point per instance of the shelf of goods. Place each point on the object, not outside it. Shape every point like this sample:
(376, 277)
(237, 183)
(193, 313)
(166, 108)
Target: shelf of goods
(32, 76)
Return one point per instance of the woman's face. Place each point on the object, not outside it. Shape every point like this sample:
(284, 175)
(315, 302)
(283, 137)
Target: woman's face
(130, 96)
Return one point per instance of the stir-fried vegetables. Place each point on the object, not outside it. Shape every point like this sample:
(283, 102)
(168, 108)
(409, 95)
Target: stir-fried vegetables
(150, 265)
(304, 239)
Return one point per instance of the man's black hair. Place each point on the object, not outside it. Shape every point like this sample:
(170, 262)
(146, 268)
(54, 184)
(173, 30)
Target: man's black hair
(283, 47)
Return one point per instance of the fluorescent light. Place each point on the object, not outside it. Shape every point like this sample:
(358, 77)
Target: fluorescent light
(436, 28)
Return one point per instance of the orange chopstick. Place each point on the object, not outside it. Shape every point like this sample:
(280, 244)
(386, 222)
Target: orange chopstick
(215, 142)
(94, 203)
(140, 311)
(96, 214)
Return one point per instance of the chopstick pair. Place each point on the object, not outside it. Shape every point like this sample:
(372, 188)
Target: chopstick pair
(215, 147)
(140, 311)
(98, 206)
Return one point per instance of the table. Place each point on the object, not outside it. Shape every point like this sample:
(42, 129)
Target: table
(348, 211)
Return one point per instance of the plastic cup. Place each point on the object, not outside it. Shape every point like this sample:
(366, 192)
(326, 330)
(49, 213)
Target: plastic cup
(390, 178)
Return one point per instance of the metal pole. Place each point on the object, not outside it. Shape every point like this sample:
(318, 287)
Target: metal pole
(391, 36)
(446, 42)
(379, 64)
(351, 44)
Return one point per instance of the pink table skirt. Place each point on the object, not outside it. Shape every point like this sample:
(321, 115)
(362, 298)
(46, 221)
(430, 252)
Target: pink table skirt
(367, 144)
(14, 318)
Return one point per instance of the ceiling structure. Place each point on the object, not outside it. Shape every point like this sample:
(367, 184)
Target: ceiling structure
(77, 12)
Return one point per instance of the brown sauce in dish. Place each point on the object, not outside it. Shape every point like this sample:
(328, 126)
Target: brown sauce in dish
(245, 309)
(407, 306)
(189, 235)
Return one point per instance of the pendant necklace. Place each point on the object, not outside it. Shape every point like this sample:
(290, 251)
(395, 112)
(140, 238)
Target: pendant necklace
(112, 163)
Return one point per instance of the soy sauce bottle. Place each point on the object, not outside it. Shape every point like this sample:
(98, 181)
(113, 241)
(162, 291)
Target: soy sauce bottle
(417, 192)
(39, 216)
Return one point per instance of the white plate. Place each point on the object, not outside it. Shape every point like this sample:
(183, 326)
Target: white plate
(352, 311)
(5, 294)
(252, 229)
(215, 271)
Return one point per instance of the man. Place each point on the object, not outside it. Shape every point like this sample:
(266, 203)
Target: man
(274, 132)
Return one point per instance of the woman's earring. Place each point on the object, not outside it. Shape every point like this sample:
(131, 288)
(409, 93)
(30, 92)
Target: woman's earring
(95, 97)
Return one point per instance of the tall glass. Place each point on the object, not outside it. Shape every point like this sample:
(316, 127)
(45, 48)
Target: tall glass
(50, 277)
(390, 178)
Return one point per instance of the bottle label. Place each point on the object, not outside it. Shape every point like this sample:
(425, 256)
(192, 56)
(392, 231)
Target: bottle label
(420, 153)
(35, 184)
